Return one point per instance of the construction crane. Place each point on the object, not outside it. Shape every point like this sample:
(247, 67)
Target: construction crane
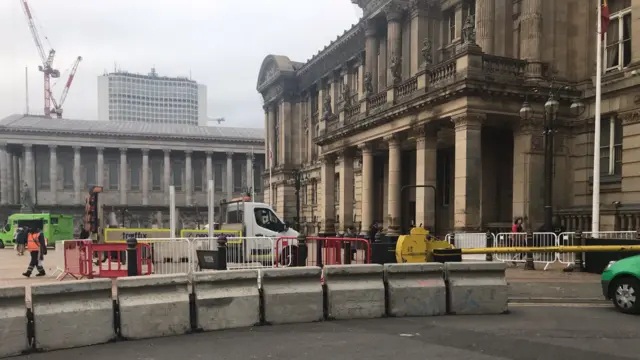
(57, 107)
(47, 60)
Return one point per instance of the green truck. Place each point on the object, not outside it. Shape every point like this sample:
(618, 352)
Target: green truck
(56, 227)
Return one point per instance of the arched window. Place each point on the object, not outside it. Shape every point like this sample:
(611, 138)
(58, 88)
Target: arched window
(305, 146)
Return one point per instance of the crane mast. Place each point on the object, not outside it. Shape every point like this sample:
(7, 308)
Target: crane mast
(57, 107)
(47, 59)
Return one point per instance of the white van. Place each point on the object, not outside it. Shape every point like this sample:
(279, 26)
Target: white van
(257, 221)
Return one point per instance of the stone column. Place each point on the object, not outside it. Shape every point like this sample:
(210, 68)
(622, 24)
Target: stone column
(528, 171)
(266, 132)
(29, 177)
(531, 28)
(145, 176)
(271, 135)
(230, 176)
(188, 175)
(328, 173)
(420, 31)
(77, 179)
(366, 203)
(468, 172)
(394, 185)
(249, 171)
(372, 45)
(123, 176)
(4, 172)
(9, 186)
(345, 168)
(53, 172)
(426, 151)
(100, 166)
(209, 168)
(167, 174)
(16, 178)
(485, 24)
(393, 11)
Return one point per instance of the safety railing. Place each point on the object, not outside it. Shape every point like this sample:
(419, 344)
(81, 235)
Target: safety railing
(322, 251)
(242, 252)
(540, 239)
(468, 241)
(84, 259)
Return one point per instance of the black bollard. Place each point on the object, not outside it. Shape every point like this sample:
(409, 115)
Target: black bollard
(529, 265)
(132, 255)
(301, 257)
(452, 239)
(489, 256)
(221, 261)
(578, 240)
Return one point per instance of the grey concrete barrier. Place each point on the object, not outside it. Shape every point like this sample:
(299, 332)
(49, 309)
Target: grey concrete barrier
(227, 299)
(416, 289)
(354, 291)
(153, 306)
(72, 314)
(292, 295)
(477, 288)
(13, 321)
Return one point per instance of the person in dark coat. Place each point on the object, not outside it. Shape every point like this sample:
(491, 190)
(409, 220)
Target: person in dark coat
(37, 246)
(20, 239)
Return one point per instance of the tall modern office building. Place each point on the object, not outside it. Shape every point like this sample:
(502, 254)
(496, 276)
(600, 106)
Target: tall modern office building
(151, 98)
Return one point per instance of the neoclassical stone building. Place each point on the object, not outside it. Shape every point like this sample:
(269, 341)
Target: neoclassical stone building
(429, 92)
(58, 159)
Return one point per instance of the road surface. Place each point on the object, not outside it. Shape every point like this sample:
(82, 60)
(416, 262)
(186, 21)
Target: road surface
(529, 332)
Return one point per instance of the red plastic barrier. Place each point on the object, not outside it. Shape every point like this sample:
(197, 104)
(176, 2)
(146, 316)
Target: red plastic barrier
(323, 251)
(110, 260)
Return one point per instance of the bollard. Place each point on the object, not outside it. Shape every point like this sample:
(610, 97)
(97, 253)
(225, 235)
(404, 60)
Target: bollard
(578, 239)
(348, 253)
(528, 265)
(377, 237)
(221, 264)
(132, 256)
(301, 258)
(452, 239)
(489, 256)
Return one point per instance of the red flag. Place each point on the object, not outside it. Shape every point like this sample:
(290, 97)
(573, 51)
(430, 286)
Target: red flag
(605, 18)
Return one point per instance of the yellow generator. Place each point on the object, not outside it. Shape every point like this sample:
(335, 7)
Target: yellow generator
(418, 246)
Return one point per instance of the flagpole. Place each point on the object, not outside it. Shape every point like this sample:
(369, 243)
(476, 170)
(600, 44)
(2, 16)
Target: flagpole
(253, 176)
(270, 167)
(595, 211)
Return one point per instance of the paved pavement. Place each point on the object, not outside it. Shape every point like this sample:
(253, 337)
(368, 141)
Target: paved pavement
(528, 333)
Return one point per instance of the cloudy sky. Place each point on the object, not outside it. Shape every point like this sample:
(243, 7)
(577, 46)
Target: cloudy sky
(220, 43)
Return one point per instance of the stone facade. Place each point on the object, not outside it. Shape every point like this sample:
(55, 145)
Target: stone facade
(57, 160)
(428, 92)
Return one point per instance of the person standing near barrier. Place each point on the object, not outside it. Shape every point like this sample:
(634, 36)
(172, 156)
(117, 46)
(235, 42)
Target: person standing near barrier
(37, 246)
(20, 238)
(518, 227)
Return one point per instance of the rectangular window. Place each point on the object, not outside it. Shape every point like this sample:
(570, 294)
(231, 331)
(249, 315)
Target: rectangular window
(113, 169)
(618, 36)
(198, 175)
(135, 172)
(611, 146)
(42, 171)
(217, 176)
(451, 23)
(156, 174)
(314, 192)
(66, 161)
(90, 172)
(177, 169)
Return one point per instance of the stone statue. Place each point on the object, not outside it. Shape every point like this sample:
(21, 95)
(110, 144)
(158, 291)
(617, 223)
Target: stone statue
(346, 95)
(396, 69)
(25, 198)
(326, 107)
(368, 84)
(469, 31)
(426, 52)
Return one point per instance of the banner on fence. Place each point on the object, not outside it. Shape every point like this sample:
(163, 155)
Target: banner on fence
(195, 234)
(119, 235)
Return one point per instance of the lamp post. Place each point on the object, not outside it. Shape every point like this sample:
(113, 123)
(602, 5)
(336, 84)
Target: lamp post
(298, 179)
(551, 109)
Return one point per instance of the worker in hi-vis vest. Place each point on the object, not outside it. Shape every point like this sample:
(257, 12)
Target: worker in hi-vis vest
(37, 246)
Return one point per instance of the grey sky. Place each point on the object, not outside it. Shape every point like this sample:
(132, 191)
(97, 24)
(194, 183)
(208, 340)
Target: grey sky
(220, 42)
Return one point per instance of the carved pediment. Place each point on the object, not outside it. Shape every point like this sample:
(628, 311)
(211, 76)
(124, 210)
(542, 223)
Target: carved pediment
(271, 71)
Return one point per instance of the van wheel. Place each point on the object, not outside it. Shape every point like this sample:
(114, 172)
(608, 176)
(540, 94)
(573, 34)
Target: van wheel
(624, 295)
(289, 256)
(1, 244)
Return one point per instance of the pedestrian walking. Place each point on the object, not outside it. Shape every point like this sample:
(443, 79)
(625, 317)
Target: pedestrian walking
(20, 238)
(37, 247)
(518, 227)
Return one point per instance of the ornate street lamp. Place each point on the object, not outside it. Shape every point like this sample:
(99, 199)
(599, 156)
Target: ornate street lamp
(551, 109)
(299, 178)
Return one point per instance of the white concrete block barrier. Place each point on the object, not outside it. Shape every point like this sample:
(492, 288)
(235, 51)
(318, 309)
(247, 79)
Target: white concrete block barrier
(476, 288)
(292, 295)
(354, 291)
(13, 321)
(153, 306)
(72, 314)
(415, 289)
(226, 299)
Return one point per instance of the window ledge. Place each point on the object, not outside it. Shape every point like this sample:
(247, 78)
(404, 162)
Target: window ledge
(607, 179)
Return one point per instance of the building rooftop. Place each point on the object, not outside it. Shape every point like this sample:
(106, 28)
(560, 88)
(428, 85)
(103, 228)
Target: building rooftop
(33, 123)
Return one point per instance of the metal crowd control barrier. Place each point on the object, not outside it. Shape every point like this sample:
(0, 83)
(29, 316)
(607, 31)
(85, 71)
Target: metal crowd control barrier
(84, 259)
(540, 239)
(168, 256)
(242, 252)
(468, 241)
(322, 251)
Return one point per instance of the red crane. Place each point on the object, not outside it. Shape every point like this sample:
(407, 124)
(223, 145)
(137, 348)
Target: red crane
(57, 107)
(47, 60)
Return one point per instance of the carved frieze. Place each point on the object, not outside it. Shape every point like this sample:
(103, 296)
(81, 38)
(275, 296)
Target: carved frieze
(273, 93)
(467, 121)
(630, 117)
(394, 10)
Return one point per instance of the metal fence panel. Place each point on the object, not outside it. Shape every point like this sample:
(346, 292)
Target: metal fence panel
(469, 241)
(169, 256)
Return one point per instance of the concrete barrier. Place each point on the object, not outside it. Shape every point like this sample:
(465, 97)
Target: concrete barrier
(354, 291)
(227, 299)
(416, 289)
(153, 306)
(477, 288)
(292, 295)
(72, 314)
(13, 321)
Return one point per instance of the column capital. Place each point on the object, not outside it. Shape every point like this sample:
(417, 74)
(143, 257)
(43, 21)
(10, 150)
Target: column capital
(366, 148)
(188, 152)
(229, 154)
(53, 147)
(393, 11)
(166, 151)
(418, 7)
(209, 153)
(468, 121)
(145, 151)
(370, 28)
(123, 150)
(393, 140)
(328, 159)
(77, 148)
(3, 145)
(250, 156)
(28, 147)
